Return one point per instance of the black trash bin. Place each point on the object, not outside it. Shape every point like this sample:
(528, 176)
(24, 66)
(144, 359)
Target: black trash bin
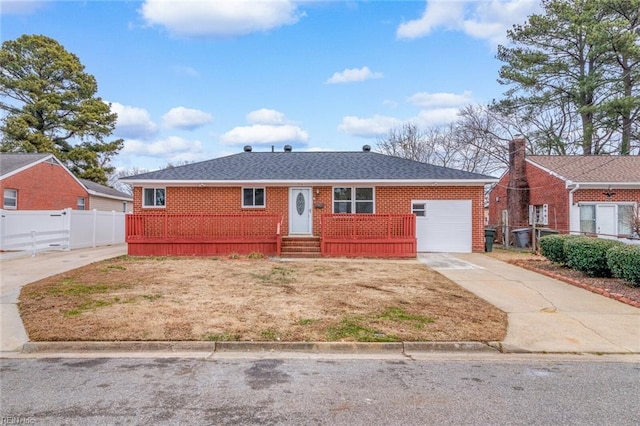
(489, 238)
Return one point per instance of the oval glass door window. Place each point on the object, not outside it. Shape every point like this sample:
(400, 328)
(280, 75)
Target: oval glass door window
(300, 203)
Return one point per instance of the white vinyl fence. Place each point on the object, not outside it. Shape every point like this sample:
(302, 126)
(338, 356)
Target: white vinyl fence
(43, 230)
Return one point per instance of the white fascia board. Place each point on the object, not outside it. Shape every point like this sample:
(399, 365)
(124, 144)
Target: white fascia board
(604, 185)
(387, 182)
(551, 172)
(113, 197)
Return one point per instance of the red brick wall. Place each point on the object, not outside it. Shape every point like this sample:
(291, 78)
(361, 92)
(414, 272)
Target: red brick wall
(228, 200)
(46, 186)
(621, 195)
(543, 189)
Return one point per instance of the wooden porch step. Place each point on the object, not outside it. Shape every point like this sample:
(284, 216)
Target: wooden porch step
(306, 247)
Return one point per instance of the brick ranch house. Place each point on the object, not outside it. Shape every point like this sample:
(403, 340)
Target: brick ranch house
(42, 182)
(307, 204)
(593, 195)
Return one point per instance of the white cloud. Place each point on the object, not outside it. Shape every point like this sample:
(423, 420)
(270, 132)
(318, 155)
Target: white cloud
(484, 19)
(259, 134)
(447, 14)
(172, 148)
(133, 122)
(368, 127)
(353, 74)
(430, 100)
(219, 18)
(185, 118)
(435, 117)
(266, 116)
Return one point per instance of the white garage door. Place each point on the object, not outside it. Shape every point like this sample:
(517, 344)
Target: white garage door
(443, 225)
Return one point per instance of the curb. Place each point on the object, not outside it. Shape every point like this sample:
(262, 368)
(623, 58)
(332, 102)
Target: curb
(577, 283)
(302, 347)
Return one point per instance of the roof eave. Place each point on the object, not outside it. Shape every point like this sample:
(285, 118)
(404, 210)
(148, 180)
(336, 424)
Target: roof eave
(604, 185)
(113, 197)
(377, 182)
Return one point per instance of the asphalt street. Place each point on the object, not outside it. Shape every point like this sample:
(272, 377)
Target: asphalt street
(271, 391)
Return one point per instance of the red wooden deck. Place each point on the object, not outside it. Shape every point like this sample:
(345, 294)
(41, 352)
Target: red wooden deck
(202, 234)
(350, 235)
(369, 235)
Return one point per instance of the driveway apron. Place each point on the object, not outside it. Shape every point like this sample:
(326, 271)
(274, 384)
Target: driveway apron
(544, 314)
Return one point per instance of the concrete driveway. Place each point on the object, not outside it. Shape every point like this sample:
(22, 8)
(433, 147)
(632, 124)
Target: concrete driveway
(545, 315)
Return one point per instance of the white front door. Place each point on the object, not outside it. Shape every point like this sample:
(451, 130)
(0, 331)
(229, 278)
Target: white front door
(606, 220)
(300, 211)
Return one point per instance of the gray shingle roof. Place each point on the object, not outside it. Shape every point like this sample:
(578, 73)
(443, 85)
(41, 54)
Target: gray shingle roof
(104, 190)
(13, 162)
(592, 168)
(308, 166)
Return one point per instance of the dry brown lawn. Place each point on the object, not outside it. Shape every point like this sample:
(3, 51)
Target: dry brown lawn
(135, 298)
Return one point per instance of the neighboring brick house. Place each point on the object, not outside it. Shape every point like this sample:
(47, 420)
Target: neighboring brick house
(306, 188)
(594, 195)
(42, 182)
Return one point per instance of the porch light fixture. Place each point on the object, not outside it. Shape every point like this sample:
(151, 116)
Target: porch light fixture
(609, 193)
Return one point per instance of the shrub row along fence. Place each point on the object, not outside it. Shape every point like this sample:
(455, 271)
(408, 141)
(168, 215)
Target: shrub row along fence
(44, 230)
(595, 257)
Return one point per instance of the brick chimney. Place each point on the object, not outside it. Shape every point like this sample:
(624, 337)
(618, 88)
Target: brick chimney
(518, 190)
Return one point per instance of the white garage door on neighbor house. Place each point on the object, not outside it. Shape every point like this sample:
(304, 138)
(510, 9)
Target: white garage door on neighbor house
(443, 225)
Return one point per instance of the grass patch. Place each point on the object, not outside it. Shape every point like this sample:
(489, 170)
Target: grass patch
(306, 321)
(151, 297)
(110, 268)
(277, 275)
(352, 329)
(221, 337)
(395, 314)
(87, 306)
(70, 287)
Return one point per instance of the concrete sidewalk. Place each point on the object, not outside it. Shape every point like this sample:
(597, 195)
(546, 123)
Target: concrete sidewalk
(18, 271)
(545, 315)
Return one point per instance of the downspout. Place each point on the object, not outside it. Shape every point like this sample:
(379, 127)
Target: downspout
(575, 188)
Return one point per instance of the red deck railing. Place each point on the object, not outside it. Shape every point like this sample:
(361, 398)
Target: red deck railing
(198, 233)
(379, 235)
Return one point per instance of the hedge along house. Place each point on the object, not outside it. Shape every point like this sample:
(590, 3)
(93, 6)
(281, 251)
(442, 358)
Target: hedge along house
(593, 194)
(307, 204)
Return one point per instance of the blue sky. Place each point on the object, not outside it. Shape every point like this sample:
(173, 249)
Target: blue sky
(194, 80)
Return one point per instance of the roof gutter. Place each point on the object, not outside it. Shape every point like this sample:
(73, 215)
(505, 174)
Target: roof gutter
(380, 182)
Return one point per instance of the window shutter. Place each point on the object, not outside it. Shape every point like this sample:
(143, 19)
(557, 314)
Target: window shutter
(532, 214)
(545, 214)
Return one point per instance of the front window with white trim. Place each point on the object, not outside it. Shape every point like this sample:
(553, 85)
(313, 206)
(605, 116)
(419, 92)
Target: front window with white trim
(10, 199)
(253, 197)
(153, 197)
(624, 218)
(353, 200)
(81, 203)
